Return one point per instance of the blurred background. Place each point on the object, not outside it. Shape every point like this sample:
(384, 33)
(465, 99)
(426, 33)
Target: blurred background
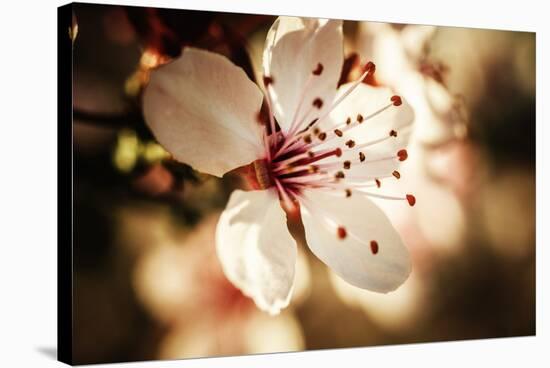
(147, 282)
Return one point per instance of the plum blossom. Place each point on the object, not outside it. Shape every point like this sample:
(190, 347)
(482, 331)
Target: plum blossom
(321, 152)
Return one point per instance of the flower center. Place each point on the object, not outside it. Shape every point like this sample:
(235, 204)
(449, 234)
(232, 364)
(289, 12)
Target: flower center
(304, 156)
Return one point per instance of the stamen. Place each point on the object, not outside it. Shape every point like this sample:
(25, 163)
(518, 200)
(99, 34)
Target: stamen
(396, 100)
(338, 132)
(368, 69)
(322, 136)
(310, 157)
(288, 203)
(348, 121)
(345, 127)
(267, 82)
(347, 164)
(378, 182)
(340, 175)
(396, 174)
(318, 70)
(393, 133)
(374, 246)
(402, 154)
(342, 233)
(411, 199)
(350, 143)
(267, 149)
(361, 156)
(318, 103)
(382, 196)
(348, 193)
(313, 169)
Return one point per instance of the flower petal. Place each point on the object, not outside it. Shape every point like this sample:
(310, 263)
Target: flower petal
(294, 48)
(202, 109)
(255, 248)
(349, 252)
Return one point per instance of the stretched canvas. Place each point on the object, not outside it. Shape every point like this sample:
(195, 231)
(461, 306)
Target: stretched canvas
(235, 184)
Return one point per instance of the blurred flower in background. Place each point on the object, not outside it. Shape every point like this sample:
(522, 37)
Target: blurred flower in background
(181, 283)
(147, 280)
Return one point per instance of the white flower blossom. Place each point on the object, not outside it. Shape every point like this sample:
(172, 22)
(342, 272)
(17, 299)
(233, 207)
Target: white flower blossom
(324, 151)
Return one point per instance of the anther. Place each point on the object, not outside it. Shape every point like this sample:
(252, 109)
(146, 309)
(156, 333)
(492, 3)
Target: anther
(396, 100)
(310, 154)
(348, 193)
(340, 175)
(393, 133)
(361, 156)
(350, 143)
(338, 132)
(318, 103)
(359, 118)
(396, 174)
(378, 182)
(322, 136)
(347, 164)
(316, 131)
(342, 233)
(402, 154)
(307, 139)
(318, 70)
(370, 67)
(348, 121)
(313, 169)
(267, 80)
(338, 152)
(374, 246)
(411, 199)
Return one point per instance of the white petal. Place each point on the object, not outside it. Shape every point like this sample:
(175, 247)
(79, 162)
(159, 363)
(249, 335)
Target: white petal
(202, 109)
(292, 52)
(351, 257)
(255, 248)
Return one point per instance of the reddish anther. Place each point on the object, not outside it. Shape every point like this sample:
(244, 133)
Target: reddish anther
(350, 143)
(342, 233)
(402, 154)
(396, 100)
(370, 67)
(411, 199)
(318, 70)
(374, 246)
